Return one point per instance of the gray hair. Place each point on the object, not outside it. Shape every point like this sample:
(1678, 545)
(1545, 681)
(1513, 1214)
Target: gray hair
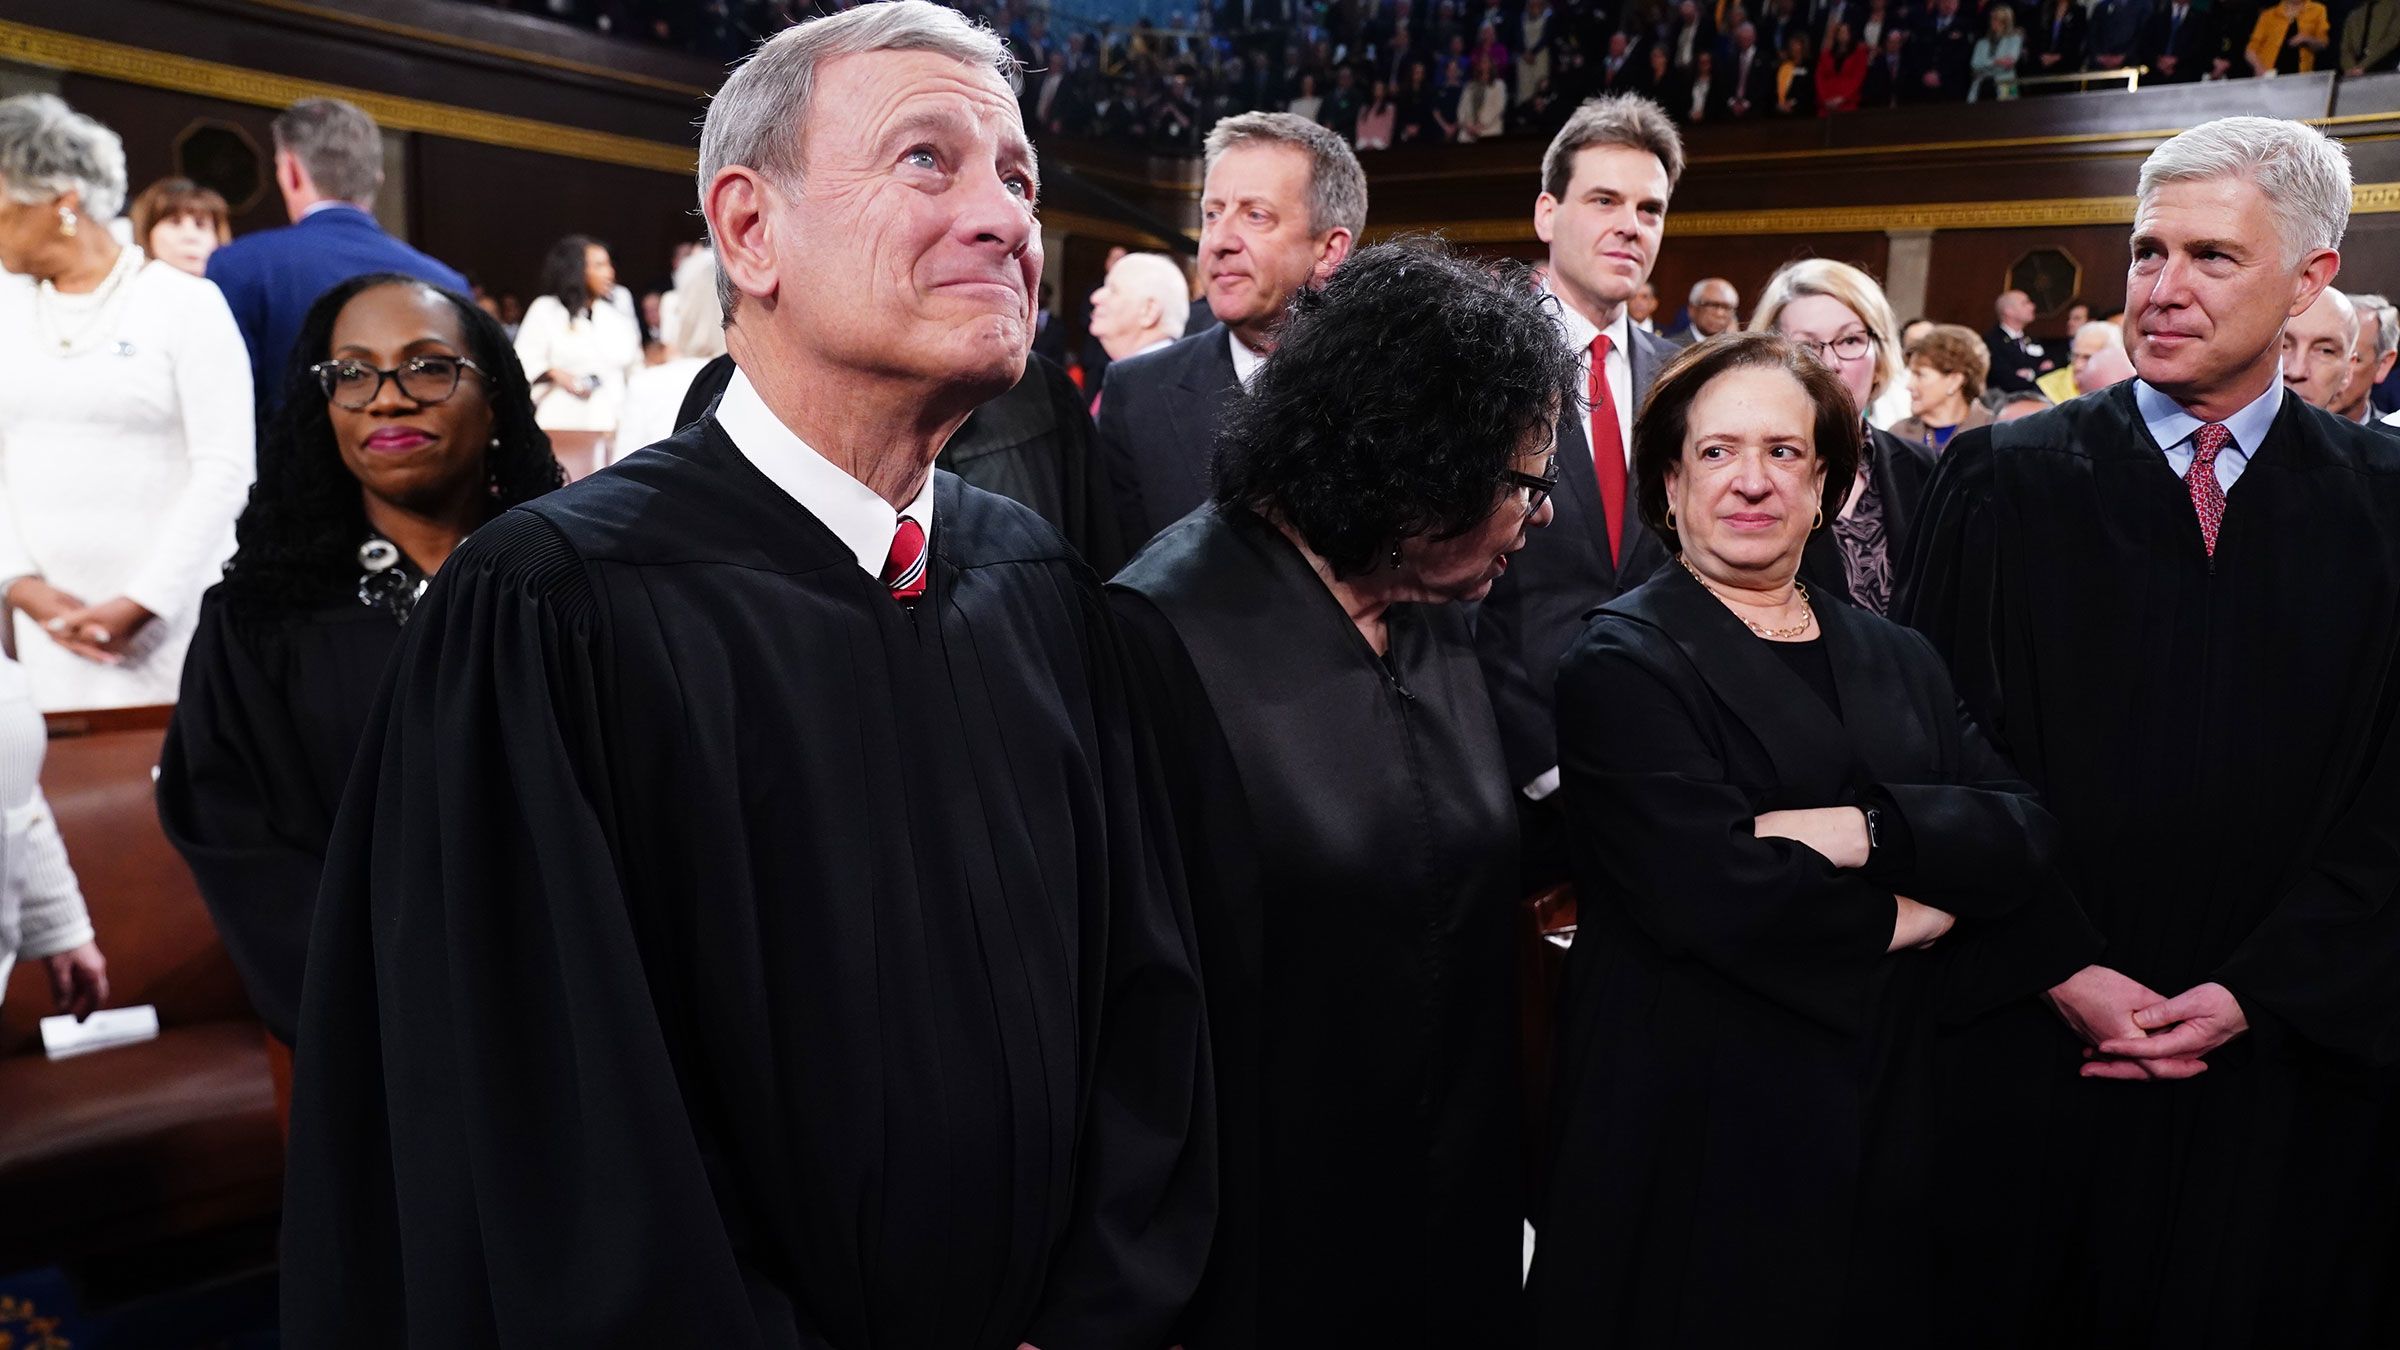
(756, 117)
(1158, 277)
(698, 326)
(1628, 121)
(339, 146)
(1337, 187)
(48, 149)
(2387, 321)
(2113, 333)
(2304, 174)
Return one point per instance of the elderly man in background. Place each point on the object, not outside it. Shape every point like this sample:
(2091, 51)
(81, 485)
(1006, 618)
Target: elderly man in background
(2170, 604)
(747, 926)
(2018, 360)
(2317, 350)
(1141, 306)
(2378, 345)
(1281, 202)
(1713, 307)
(2096, 359)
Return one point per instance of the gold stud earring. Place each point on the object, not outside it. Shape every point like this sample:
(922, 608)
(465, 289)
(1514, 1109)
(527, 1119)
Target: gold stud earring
(66, 221)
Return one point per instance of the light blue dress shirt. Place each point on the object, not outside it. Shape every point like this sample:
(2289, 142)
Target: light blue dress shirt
(2172, 428)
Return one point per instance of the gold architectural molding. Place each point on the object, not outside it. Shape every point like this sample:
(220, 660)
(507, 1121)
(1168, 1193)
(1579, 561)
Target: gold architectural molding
(477, 45)
(235, 84)
(2365, 199)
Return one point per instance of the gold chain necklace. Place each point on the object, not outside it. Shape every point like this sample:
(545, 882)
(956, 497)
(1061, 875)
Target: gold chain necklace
(1808, 613)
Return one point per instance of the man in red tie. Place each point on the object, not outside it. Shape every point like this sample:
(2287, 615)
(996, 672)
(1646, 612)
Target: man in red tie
(749, 927)
(1605, 183)
(2176, 604)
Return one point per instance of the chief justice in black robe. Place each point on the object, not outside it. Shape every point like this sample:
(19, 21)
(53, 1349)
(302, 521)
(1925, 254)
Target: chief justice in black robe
(1344, 804)
(723, 944)
(2214, 716)
(1776, 808)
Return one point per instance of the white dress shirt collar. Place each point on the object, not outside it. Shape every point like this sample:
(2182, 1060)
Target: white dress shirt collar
(1245, 361)
(2171, 426)
(1578, 333)
(863, 521)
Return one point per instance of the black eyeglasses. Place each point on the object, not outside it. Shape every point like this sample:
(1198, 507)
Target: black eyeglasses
(1536, 489)
(1848, 347)
(424, 379)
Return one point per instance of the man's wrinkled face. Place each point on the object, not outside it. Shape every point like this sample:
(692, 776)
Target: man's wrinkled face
(2317, 348)
(2210, 288)
(1257, 245)
(908, 247)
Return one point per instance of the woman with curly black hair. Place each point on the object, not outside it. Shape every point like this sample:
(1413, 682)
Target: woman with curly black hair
(1343, 806)
(406, 423)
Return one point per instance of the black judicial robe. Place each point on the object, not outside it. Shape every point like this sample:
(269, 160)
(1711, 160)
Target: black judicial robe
(2220, 741)
(1352, 853)
(713, 952)
(1740, 1140)
(267, 722)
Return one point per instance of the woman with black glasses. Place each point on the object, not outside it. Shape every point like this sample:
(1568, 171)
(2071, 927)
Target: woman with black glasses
(1343, 807)
(406, 423)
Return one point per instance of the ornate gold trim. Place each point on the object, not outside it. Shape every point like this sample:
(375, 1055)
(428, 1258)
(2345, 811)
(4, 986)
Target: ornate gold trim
(163, 70)
(2365, 199)
(519, 54)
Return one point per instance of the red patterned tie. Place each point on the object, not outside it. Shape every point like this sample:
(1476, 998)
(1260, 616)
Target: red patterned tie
(2208, 497)
(1608, 447)
(904, 569)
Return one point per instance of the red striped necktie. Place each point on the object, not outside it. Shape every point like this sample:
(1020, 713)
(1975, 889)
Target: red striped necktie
(904, 568)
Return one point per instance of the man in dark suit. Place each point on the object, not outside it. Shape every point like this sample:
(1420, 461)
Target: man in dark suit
(2180, 41)
(1949, 55)
(1749, 75)
(1605, 183)
(1888, 75)
(1281, 201)
(329, 164)
(1713, 307)
(2018, 360)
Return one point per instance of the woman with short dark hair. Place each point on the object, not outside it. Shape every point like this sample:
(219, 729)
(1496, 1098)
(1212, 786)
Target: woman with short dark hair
(1947, 365)
(405, 424)
(1775, 807)
(1343, 807)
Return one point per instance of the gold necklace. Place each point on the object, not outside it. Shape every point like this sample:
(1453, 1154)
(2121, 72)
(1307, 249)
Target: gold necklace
(1808, 613)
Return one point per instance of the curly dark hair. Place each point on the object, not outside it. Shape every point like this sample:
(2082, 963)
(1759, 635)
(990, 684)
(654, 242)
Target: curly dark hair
(563, 272)
(298, 538)
(1399, 397)
(1658, 434)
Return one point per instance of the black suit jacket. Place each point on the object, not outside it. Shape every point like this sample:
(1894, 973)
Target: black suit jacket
(2193, 43)
(1562, 574)
(1158, 423)
(2064, 36)
(1886, 88)
(2010, 355)
(1949, 53)
(1758, 90)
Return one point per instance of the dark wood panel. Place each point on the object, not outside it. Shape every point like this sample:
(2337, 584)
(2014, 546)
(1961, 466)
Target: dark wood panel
(493, 212)
(150, 121)
(1970, 269)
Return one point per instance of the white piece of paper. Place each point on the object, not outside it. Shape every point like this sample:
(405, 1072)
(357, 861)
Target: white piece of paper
(63, 1036)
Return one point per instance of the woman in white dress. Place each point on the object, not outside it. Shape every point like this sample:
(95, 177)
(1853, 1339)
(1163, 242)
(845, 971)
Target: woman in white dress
(694, 333)
(125, 424)
(578, 348)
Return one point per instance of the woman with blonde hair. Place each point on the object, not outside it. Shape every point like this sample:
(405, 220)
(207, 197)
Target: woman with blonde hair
(1997, 52)
(1838, 314)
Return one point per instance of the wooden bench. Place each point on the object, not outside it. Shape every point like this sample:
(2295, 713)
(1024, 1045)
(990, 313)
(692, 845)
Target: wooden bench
(145, 1145)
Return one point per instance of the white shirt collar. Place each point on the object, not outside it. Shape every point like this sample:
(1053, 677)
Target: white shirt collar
(2171, 426)
(1157, 343)
(1245, 361)
(863, 521)
(329, 204)
(1580, 331)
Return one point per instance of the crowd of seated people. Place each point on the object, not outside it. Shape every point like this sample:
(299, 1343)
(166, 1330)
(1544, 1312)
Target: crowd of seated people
(1395, 72)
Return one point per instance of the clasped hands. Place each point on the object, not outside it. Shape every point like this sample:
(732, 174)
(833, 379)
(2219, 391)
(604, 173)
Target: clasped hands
(98, 632)
(2130, 1031)
(1839, 834)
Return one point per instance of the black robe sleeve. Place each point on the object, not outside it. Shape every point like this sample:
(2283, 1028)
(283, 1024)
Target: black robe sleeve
(1649, 804)
(234, 798)
(1145, 1186)
(2325, 964)
(489, 1145)
(1948, 585)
